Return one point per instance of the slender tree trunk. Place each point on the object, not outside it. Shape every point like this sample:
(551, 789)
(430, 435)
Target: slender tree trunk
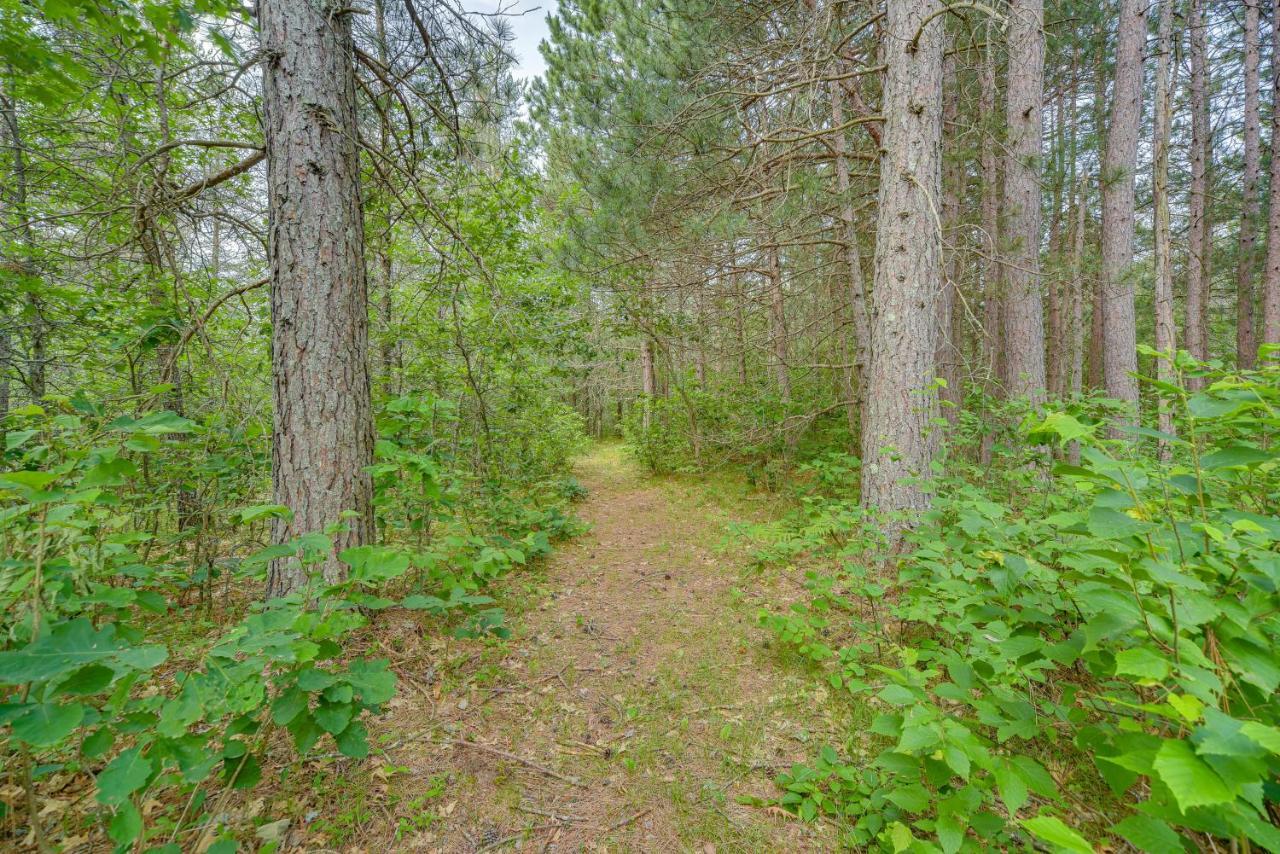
(323, 425)
(1075, 333)
(1097, 346)
(1200, 235)
(993, 337)
(950, 322)
(778, 323)
(1119, 319)
(648, 381)
(37, 357)
(1166, 331)
(1271, 282)
(898, 444)
(853, 262)
(1024, 309)
(1246, 336)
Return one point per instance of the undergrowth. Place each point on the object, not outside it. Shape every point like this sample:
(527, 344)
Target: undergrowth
(1081, 645)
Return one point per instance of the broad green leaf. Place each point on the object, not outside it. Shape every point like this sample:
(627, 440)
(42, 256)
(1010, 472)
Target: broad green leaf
(1141, 662)
(125, 774)
(46, 724)
(1058, 836)
(1148, 834)
(1192, 782)
(1013, 789)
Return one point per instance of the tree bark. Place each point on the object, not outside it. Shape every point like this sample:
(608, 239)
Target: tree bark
(1119, 321)
(1024, 308)
(1271, 282)
(648, 382)
(1246, 338)
(778, 323)
(992, 324)
(1200, 236)
(1166, 331)
(323, 425)
(897, 442)
(853, 266)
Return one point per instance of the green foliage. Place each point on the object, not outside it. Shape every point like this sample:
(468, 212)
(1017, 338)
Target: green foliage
(1119, 617)
(84, 583)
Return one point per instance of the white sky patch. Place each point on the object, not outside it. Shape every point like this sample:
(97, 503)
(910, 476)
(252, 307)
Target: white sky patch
(528, 22)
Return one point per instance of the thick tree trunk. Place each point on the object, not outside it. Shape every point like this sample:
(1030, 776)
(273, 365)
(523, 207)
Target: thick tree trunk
(323, 427)
(1075, 333)
(1271, 282)
(1246, 338)
(1024, 309)
(1166, 331)
(1119, 320)
(1199, 234)
(897, 441)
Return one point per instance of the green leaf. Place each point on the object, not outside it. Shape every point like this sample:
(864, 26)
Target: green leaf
(333, 717)
(1148, 834)
(89, 679)
(1111, 524)
(372, 680)
(1234, 455)
(126, 825)
(1141, 662)
(96, 744)
(354, 741)
(1013, 789)
(1192, 782)
(288, 706)
(46, 724)
(913, 799)
(1266, 736)
(1057, 835)
(71, 645)
(127, 773)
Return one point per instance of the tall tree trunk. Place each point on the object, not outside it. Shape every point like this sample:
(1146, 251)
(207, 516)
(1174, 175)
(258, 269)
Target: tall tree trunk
(992, 324)
(897, 441)
(778, 323)
(1024, 309)
(1199, 233)
(853, 263)
(948, 359)
(323, 425)
(1166, 331)
(1119, 319)
(648, 382)
(37, 356)
(1097, 346)
(1271, 282)
(1246, 337)
(1075, 333)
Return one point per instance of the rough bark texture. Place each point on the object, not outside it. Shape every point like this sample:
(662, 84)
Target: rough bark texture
(897, 441)
(1199, 236)
(648, 381)
(1271, 281)
(323, 428)
(949, 359)
(990, 215)
(1246, 340)
(1120, 359)
(1024, 308)
(1166, 332)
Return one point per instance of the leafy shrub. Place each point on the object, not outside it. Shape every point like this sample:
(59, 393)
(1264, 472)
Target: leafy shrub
(1119, 624)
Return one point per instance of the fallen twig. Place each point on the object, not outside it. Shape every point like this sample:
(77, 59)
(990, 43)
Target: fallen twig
(630, 819)
(528, 763)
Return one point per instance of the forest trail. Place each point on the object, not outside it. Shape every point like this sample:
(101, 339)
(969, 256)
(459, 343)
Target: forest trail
(635, 702)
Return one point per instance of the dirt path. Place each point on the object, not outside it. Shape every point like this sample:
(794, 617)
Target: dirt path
(633, 706)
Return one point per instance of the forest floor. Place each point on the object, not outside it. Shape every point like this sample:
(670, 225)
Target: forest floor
(637, 705)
